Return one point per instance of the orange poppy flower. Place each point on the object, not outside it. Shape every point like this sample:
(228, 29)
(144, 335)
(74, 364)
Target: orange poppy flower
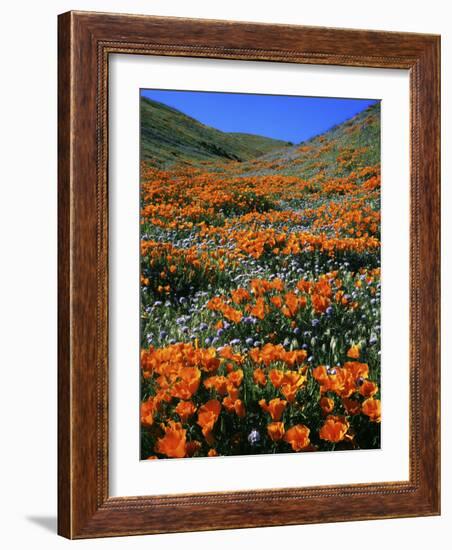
(234, 405)
(291, 384)
(212, 452)
(358, 370)
(208, 360)
(173, 443)
(236, 377)
(256, 355)
(353, 352)
(277, 284)
(276, 431)
(258, 310)
(320, 374)
(292, 304)
(271, 353)
(304, 286)
(275, 407)
(334, 429)
(289, 392)
(319, 303)
(259, 286)
(352, 406)
(187, 384)
(232, 314)
(147, 411)
(185, 409)
(228, 353)
(276, 377)
(372, 408)
(294, 378)
(292, 358)
(344, 383)
(219, 383)
(215, 304)
(298, 437)
(368, 388)
(228, 404)
(326, 404)
(232, 391)
(229, 368)
(240, 295)
(259, 377)
(207, 416)
(340, 381)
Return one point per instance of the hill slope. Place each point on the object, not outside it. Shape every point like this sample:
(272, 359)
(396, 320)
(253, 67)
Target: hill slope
(169, 136)
(345, 147)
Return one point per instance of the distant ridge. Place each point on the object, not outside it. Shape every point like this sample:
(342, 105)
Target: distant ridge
(333, 153)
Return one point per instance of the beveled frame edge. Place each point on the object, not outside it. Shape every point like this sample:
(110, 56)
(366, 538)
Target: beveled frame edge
(85, 42)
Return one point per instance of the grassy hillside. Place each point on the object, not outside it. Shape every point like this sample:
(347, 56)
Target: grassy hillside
(348, 146)
(169, 136)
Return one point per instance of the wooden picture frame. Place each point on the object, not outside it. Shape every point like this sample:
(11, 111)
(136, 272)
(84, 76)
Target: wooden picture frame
(86, 40)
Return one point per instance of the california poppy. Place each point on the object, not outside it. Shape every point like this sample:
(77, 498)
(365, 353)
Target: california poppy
(185, 409)
(298, 437)
(334, 429)
(353, 352)
(372, 408)
(275, 407)
(207, 416)
(276, 430)
(326, 404)
(173, 443)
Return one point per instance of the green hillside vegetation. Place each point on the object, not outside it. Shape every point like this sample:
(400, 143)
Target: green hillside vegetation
(348, 146)
(169, 136)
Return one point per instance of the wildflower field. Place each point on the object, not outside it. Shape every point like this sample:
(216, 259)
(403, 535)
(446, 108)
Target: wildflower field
(260, 297)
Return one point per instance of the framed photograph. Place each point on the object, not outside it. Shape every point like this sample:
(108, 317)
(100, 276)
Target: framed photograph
(249, 268)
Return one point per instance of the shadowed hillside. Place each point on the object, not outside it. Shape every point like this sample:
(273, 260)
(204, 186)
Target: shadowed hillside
(170, 136)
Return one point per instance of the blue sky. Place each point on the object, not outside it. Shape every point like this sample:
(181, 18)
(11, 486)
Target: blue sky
(290, 118)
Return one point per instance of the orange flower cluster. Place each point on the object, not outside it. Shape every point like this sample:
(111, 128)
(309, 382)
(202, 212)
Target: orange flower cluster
(264, 297)
(169, 263)
(341, 380)
(334, 429)
(348, 217)
(298, 437)
(271, 353)
(256, 243)
(178, 370)
(217, 304)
